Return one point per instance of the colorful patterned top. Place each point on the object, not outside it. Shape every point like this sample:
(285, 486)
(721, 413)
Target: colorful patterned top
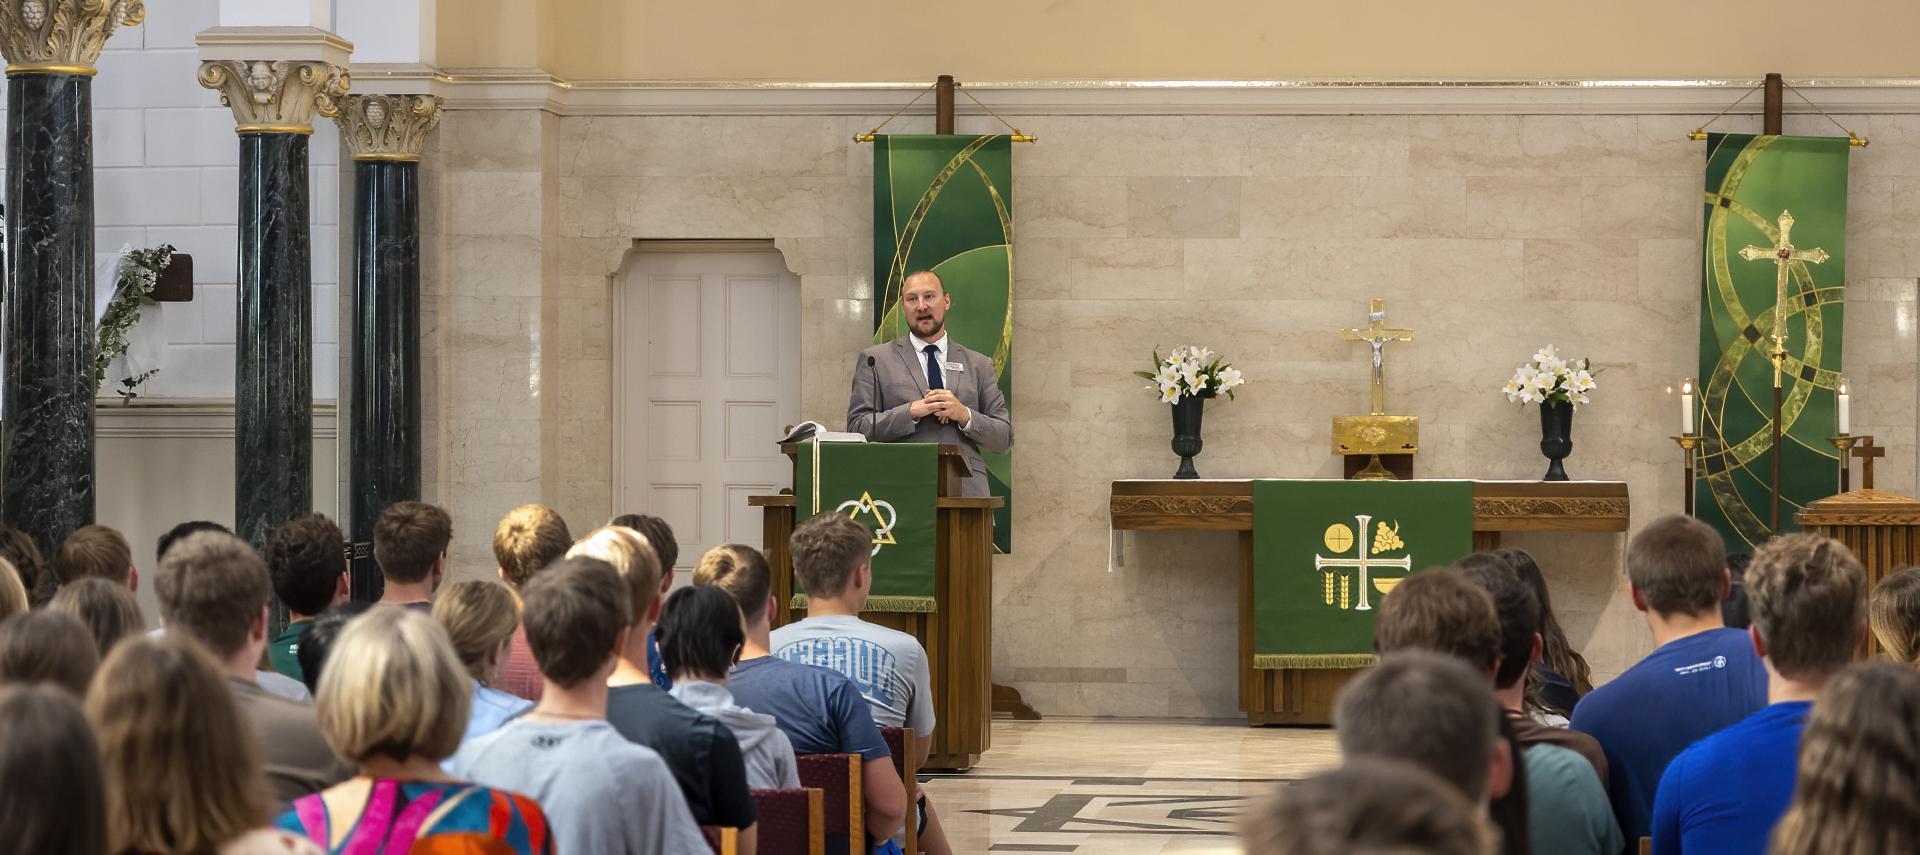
(382, 816)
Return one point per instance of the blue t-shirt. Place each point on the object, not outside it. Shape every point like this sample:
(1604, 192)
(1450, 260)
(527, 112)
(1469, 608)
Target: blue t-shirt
(1726, 792)
(1680, 693)
(656, 666)
(821, 711)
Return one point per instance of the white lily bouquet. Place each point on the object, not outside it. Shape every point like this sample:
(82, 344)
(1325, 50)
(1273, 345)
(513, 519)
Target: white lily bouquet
(1191, 372)
(1550, 379)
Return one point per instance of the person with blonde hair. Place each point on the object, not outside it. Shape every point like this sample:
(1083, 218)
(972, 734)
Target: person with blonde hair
(529, 538)
(393, 700)
(1369, 804)
(108, 610)
(480, 618)
(13, 592)
(1856, 793)
(51, 796)
(1894, 614)
(179, 777)
(18, 550)
(704, 755)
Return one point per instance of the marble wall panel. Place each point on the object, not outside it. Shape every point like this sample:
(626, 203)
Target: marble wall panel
(1261, 237)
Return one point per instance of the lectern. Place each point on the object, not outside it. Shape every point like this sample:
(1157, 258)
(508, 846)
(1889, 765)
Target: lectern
(1882, 529)
(957, 632)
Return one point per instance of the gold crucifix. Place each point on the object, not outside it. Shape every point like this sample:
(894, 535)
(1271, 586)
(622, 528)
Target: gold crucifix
(1376, 334)
(1783, 255)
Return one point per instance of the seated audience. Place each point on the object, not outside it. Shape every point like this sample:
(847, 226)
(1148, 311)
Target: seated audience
(307, 559)
(700, 638)
(659, 535)
(1734, 610)
(317, 637)
(1561, 677)
(1431, 710)
(17, 548)
(601, 792)
(528, 538)
(109, 611)
(176, 779)
(410, 544)
(13, 592)
(1700, 678)
(213, 588)
(480, 616)
(1367, 805)
(393, 700)
(704, 756)
(96, 552)
(47, 647)
(1725, 792)
(179, 533)
(819, 710)
(1894, 613)
(1855, 790)
(52, 798)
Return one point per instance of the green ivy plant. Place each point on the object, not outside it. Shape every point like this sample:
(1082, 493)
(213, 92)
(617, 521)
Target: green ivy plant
(139, 271)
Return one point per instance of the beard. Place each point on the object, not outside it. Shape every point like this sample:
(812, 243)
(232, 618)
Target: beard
(934, 326)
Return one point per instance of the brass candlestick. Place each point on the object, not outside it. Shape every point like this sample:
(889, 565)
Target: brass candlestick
(1845, 443)
(1688, 443)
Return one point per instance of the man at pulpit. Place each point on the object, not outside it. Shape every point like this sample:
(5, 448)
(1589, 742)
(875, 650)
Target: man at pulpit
(926, 387)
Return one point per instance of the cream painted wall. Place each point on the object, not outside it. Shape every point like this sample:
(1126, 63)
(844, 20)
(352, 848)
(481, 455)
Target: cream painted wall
(1200, 39)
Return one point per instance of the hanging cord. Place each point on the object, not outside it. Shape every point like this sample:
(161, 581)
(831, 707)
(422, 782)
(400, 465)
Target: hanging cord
(1700, 133)
(1852, 138)
(1017, 135)
(869, 135)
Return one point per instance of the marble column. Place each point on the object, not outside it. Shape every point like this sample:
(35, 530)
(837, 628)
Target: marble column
(46, 305)
(273, 103)
(386, 135)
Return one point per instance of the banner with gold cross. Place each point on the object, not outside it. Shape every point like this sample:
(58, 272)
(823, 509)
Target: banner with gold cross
(1325, 553)
(1773, 284)
(890, 488)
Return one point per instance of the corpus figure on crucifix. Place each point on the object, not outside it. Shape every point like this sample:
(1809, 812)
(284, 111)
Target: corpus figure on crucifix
(1377, 334)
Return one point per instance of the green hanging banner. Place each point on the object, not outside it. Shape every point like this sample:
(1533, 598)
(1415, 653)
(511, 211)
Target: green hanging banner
(1776, 220)
(888, 487)
(945, 203)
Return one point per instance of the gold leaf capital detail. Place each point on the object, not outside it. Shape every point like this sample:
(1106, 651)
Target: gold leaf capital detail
(387, 127)
(277, 96)
(61, 35)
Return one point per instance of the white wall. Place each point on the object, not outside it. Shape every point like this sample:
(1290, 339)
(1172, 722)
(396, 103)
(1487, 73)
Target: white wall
(166, 170)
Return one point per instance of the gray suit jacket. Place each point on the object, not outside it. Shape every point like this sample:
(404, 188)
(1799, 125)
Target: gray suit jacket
(888, 378)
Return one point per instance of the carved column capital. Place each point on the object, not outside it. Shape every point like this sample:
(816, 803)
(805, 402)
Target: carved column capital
(275, 96)
(61, 36)
(387, 127)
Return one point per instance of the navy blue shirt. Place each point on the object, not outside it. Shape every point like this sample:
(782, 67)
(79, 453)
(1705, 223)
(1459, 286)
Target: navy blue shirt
(820, 711)
(656, 666)
(1682, 692)
(1726, 792)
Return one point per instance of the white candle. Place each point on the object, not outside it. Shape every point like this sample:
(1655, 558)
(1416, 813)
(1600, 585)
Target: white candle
(1846, 410)
(1686, 408)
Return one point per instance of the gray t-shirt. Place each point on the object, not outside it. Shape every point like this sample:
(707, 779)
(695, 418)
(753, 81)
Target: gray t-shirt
(888, 666)
(600, 792)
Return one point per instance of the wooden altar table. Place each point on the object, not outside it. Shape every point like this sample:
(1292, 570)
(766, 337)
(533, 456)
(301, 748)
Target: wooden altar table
(1305, 696)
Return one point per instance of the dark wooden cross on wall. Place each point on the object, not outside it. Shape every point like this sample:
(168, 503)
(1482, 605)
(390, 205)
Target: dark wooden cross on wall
(1867, 452)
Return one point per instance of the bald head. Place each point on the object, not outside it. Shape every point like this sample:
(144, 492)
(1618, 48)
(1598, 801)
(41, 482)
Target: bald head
(924, 302)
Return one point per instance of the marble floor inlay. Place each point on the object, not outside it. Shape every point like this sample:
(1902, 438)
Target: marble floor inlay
(1129, 787)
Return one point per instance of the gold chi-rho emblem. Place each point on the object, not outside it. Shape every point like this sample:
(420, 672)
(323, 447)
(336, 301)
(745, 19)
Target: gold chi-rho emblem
(1339, 572)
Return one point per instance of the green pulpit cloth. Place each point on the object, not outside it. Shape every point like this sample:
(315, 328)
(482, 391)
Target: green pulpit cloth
(1325, 553)
(889, 487)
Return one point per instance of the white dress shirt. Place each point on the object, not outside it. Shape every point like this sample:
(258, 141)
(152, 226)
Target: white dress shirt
(940, 357)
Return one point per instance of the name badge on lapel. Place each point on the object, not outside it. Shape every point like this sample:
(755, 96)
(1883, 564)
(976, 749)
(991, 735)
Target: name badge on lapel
(954, 366)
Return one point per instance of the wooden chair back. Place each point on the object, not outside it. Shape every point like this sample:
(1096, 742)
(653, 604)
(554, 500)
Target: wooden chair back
(900, 742)
(792, 822)
(723, 840)
(837, 776)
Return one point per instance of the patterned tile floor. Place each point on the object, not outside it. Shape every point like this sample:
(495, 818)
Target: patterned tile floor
(1096, 786)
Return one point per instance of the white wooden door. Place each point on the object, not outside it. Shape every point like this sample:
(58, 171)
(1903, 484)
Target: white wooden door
(709, 375)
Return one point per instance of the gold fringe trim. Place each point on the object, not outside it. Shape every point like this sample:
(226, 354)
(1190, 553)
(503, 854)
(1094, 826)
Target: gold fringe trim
(916, 605)
(1267, 661)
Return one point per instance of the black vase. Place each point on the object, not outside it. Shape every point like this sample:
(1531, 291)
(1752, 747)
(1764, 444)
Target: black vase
(1186, 433)
(1556, 438)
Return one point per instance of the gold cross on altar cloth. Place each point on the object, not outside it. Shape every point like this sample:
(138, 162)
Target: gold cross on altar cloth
(1364, 562)
(1377, 335)
(1783, 254)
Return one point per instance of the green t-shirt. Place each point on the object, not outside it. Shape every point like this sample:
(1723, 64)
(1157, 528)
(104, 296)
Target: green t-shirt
(283, 651)
(1567, 807)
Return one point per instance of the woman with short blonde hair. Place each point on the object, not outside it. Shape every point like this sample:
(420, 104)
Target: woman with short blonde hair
(1893, 611)
(177, 779)
(1855, 792)
(394, 699)
(480, 616)
(107, 608)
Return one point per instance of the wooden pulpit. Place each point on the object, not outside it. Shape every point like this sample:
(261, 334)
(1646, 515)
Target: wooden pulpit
(1882, 529)
(958, 633)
